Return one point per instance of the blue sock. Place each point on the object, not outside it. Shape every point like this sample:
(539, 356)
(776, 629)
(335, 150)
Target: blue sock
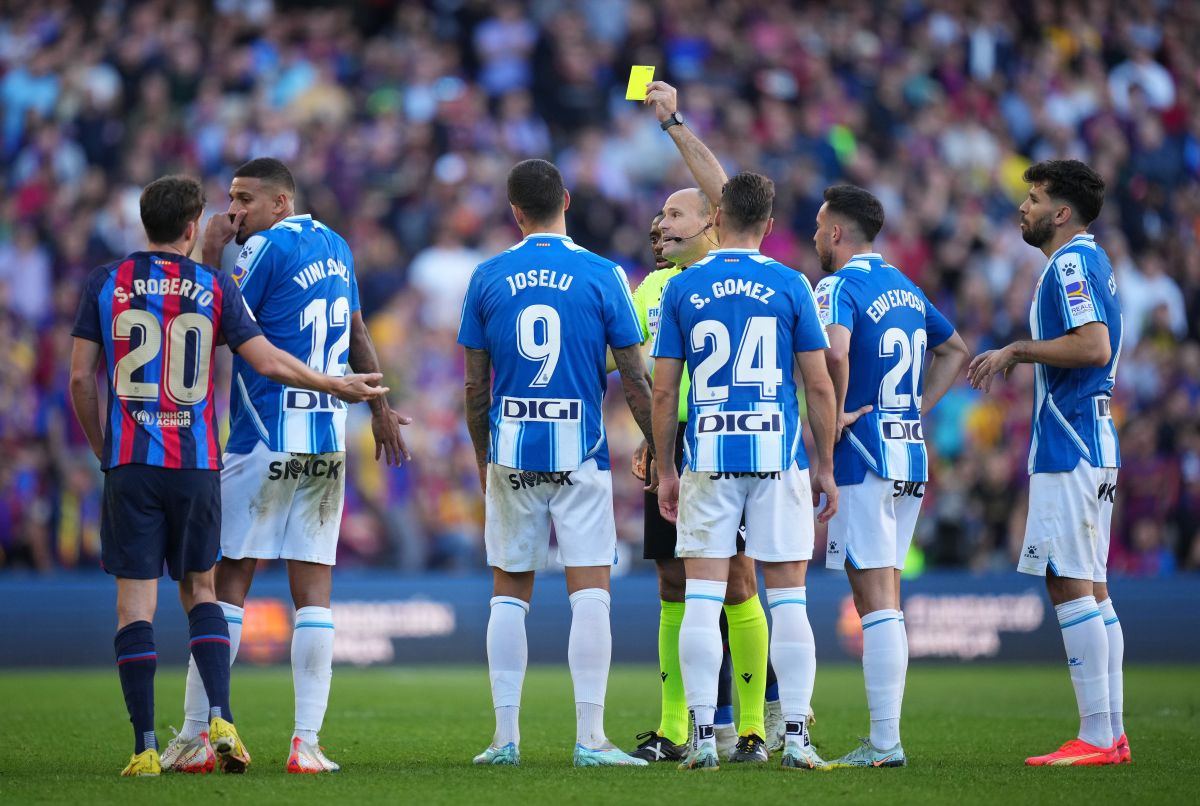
(725, 679)
(136, 662)
(210, 649)
(772, 684)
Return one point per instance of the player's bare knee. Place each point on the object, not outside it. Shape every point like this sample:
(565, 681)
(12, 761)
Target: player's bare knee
(197, 588)
(136, 600)
(785, 575)
(1066, 589)
(1100, 591)
(584, 577)
(872, 588)
(743, 583)
(516, 584)
(232, 580)
(311, 583)
(671, 580)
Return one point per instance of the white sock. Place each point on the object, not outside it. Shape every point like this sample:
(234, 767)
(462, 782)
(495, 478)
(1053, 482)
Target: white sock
(589, 653)
(1086, 643)
(1116, 675)
(700, 653)
(883, 671)
(793, 652)
(904, 646)
(312, 668)
(195, 698)
(508, 655)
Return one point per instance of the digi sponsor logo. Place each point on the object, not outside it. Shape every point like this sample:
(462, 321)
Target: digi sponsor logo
(902, 430)
(740, 422)
(537, 410)
(304, 400)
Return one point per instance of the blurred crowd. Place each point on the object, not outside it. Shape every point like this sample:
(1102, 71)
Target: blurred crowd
(400, 121)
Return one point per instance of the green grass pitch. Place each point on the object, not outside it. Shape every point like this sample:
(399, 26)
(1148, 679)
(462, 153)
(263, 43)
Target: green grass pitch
(408, 735)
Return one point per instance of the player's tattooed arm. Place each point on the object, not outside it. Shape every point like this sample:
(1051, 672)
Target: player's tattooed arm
(85, 395)
(949, 358)
(635, 379)
(478, 401)
(703, 164)
(667, 374)
(822, 420)
(385, 423)
(282, 367)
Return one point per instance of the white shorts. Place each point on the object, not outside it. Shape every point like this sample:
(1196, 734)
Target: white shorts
(282, 506)
(778, 509)
(521, 504)
(874, 524)
(1067, 529)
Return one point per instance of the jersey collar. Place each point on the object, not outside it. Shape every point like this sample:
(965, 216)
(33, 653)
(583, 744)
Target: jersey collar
(531, 236)
(1083, 236)
(300, 217)
(732, 251)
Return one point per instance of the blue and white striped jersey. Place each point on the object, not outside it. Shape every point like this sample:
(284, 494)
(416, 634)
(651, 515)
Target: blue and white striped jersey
(298, 279)
(545, 311)
(737, 318)
(1071, 415)
(892, 325)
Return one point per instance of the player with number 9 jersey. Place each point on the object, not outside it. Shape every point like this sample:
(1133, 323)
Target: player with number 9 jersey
(546, 311)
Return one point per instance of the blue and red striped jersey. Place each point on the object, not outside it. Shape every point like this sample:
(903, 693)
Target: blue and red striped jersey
(158, 315)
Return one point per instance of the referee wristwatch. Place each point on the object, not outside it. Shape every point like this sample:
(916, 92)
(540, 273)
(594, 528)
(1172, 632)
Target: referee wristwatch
(676, 119)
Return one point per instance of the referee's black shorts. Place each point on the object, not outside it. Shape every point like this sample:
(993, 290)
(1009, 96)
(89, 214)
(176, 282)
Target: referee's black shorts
(151, 515)
(659, 540)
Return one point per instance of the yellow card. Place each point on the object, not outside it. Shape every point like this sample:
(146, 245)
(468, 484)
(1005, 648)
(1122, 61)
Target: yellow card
(639, 77)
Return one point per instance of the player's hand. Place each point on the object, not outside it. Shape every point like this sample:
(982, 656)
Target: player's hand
(640, 458)
(222, 228)
(668, 498)
(357, 388)
(985, 366)
(389, 442)
(664, 98)
(652, 477)
(848, 418)
(822, 482)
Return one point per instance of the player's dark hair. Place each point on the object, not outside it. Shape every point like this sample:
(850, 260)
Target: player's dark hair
(168, 205)
(1072, 182)
(270, 170)
(535, 187)
(746, 201)
(857, 205)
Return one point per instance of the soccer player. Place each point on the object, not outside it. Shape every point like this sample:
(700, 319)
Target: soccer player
(685, 235)
(542, 314)
(155, 318)
(1073, 459)
(880, 327)
(740, 319)
(284, 480)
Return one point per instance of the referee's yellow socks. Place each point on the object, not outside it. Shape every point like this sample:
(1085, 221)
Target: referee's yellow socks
(748, 644)
(674, 724)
